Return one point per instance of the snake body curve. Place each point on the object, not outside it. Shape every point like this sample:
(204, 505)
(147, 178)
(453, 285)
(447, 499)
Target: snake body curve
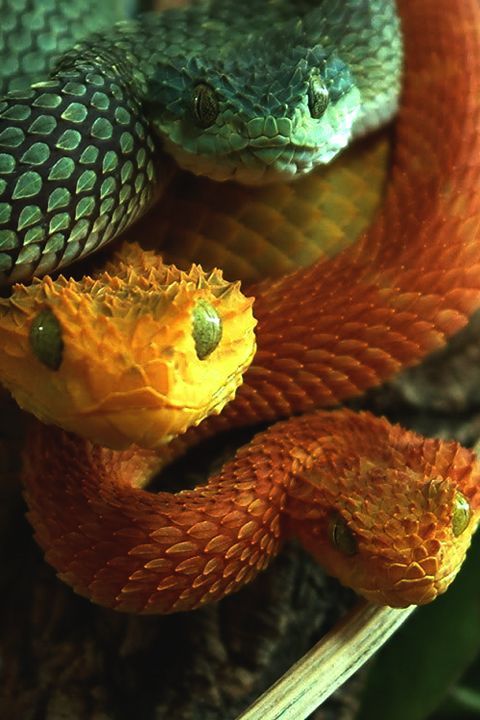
(409, 282)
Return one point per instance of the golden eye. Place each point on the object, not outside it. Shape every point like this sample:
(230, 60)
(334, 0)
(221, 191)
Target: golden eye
(205, 105)
(461, 514)
(318, 97)
(341, 536)
(207, 329)
(46, 339)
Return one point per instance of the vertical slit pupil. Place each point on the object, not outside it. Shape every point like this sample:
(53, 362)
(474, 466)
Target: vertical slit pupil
(205, 105)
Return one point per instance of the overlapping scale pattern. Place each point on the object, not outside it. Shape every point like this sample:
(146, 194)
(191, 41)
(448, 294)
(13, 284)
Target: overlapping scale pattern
(142, 552)
(76, 167)
(325, 333)
(33, 34)
(76, 149)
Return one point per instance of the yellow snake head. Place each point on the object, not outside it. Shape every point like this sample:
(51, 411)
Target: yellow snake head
(392, 516)
(137, 353)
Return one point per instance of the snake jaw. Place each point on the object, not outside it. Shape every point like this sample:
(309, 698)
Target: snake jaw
(128, 350)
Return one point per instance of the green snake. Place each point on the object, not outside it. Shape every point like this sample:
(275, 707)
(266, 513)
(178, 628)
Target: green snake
(388, 512)
(77, 151)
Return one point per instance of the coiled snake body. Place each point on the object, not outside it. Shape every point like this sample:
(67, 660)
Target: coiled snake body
(335, 480)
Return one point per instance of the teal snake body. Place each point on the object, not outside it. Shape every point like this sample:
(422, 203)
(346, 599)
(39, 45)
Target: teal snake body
(33, 34)
(231, 91)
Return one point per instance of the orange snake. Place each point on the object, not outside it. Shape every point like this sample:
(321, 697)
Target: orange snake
(393, 503)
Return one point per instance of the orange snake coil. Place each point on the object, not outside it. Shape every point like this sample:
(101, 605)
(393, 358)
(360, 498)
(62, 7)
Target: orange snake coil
(144, 552)
(324, 333)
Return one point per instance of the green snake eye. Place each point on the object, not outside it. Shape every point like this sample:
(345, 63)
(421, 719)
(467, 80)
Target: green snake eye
(461, 514)
(207, 329)
(318, 97)
(46, 339)
(341, 536)
(205, 105)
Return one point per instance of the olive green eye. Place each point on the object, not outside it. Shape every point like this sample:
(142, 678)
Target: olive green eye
(205, 105)
(318, 97)
(341, 536)
(207, 329)
(461, 514)
(46, 339)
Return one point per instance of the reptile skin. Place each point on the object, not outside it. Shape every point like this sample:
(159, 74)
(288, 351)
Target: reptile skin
(33, 34)
(335, 480)
(77, 151)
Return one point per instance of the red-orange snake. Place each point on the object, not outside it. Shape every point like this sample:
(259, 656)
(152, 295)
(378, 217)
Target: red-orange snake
(377, 505)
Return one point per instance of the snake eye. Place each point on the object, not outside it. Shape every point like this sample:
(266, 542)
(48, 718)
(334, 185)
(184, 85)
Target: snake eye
(205, 105)
(461, 514)
(46, 339)
(318, 97)
(341, 536)
(207, 329)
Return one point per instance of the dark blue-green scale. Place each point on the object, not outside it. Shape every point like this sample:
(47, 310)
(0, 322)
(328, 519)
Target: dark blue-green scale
(76, 150)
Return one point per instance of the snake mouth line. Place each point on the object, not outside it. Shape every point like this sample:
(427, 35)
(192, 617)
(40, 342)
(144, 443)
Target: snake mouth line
(445, 580)
(216, 399)
(289, 149)
(250, 156)
(431, 585)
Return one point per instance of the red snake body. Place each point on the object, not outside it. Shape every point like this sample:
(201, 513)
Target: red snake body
(324, 334)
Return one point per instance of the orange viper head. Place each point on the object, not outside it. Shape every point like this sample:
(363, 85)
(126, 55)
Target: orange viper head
(135, 354)
(395, 527)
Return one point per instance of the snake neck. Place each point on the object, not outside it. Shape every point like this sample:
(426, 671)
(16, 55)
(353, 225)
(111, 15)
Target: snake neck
(104, 54)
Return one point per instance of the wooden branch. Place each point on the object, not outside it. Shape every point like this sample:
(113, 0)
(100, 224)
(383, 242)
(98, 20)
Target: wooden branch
(328, 664)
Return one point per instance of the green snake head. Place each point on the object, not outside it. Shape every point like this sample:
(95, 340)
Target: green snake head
(260, 112)
(230, 92)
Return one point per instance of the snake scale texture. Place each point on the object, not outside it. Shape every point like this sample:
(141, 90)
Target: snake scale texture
(77, 150)
(388, 512)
